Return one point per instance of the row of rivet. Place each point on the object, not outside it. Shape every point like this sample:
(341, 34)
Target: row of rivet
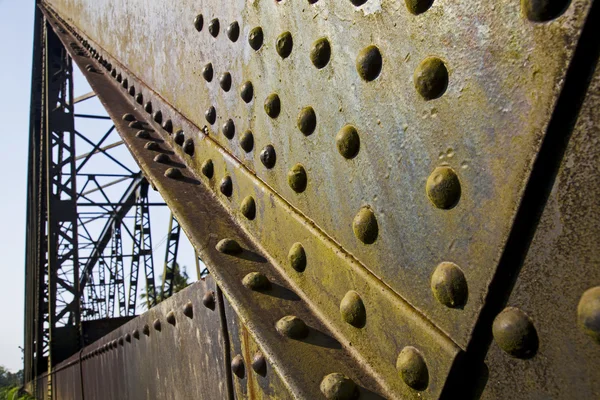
(188, 310)
(410, 363)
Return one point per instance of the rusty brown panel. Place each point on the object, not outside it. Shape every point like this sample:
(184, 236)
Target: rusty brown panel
(367, 355)
(505, 74)
(182, 357)
(66, 379)
(253, 374)
(562, 263)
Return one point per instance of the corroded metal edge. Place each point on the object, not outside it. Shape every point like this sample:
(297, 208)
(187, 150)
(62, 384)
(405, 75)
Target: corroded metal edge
(376, 346)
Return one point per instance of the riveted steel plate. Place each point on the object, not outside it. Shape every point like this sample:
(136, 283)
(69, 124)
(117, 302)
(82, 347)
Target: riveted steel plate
(505, 73)
(205, 220)
(562, 263)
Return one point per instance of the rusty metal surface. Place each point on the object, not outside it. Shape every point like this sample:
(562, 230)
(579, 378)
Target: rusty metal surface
(254, 377)
(366, 355)
(505, 73)
(562, 263)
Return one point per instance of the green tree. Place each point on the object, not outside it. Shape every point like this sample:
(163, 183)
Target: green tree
(180, 281)
(9, 379)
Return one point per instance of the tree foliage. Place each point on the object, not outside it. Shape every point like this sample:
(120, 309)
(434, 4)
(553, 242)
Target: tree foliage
(180, 281)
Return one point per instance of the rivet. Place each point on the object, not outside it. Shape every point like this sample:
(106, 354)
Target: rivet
(213, 27)
(168, 126)
(514, 333)
(228, 129)
(256, 281)
(119, 78)
(412, 368)
(247, 141)
(225, 81)
(369, 63)
(248, 208)
(207, 72)
(188, 147)
(209, 300)
(152, 146)
(128, 117)
(229, 246)
(588, 313)
(207, 168)
(297, 178)
(307, 121)
(188, 310)
(179, 137)
(233, 31)
(136, 334)
(348, 142)
(268, 156)
(247, 92)
(358, 2)
(337, 386)
(417, 7)
(162, 158)
(128, 337)
(173, 173)
(121, 341)
(211, 115)
(148, 107)
(353, 310)
(199, 22)
(297, 257)
(132, 90)
(431, 78)
(226, 186)
(158, 116)
(284, 44)
(136, 125)
(171, 317)
(259, 364)
(292, 327)
(139, 98)
(365, 225)
(114, 344)
(156, 324)
(443, 188)
(543, 10)
(125, 83)
(146, 330)
(237, 366)
(255, 38)
(449, 285)
(272, 105)
(320, 53)
(114, 73)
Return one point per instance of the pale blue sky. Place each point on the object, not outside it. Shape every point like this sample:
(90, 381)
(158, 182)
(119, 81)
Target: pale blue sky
(16, 39)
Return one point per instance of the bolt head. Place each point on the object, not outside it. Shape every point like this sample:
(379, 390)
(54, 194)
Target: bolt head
(207, 72)
(211, 115)
(348, 142)
(268, 157)
(157, 325)
(588, 313)
(449, 285)
(213, 27)
(353, 310)
(208, 168)
(173, 173)
(229, 246)
(284, 44)
(292, 327)
(297, 257)
(412, 368)
(297, 178)
(365, 226)
(233, 31)
(247, 141)
(171, 317)
(248, 208)
(417, 7)
(179, 137)
(188, 147)
(443, 188)
(247, 92)
(259, 364)
(237, 366)
(307, 121)
(209, 300)
(255, 38)
(228, 129)
(199, 22)
(273, 105)
(320, 53)
(431, 78)
(256, 281)
(337, 386)
(188, 310)
(369, 63)
(515, 333)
